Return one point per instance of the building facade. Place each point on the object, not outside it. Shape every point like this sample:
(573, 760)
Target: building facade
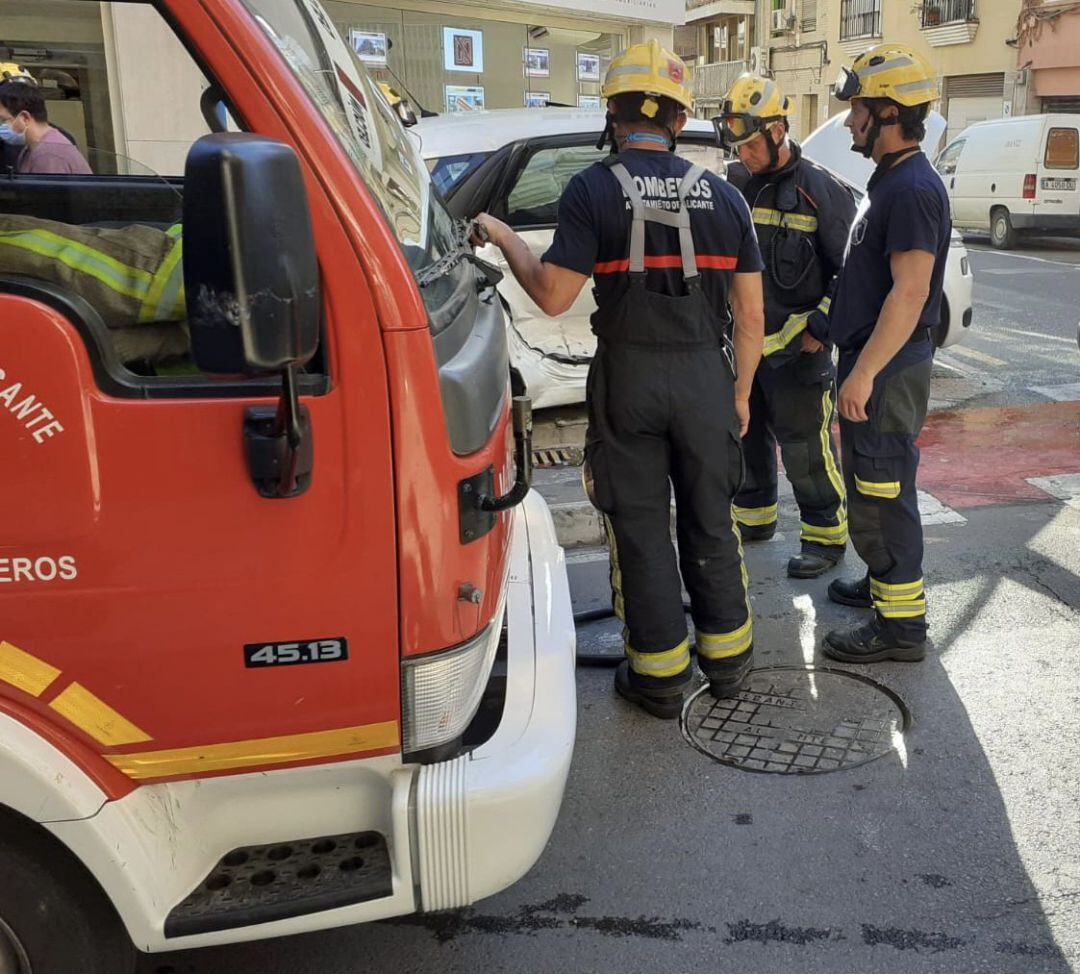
(450, 56)
(1048, 55)
(967, 42)
(459, 56)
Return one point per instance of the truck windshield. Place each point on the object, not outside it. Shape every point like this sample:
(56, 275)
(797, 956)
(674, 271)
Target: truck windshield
(364, 124)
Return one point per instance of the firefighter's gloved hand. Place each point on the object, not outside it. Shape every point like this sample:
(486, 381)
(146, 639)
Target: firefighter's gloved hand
(810, 344)
(817, 326)
(486, 229)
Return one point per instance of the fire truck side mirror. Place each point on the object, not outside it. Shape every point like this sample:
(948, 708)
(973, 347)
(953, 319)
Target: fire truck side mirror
(250, 272)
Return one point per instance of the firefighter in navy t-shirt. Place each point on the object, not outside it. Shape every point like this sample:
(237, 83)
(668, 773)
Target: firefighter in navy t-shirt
(669, 247)
(887, 301)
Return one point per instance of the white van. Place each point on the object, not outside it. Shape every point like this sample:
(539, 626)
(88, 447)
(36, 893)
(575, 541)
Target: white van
(1013, 176)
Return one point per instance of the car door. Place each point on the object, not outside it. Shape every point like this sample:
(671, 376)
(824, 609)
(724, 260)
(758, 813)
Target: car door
(528, 200)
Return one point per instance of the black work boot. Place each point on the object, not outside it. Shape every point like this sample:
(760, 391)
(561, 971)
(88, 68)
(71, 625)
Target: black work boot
(727, 676)
(849, 591)
(665, 704)
(814, 560)
(756, 532)
(872, 643)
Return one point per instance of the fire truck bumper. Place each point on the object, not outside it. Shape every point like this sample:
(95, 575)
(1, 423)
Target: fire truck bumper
(482, 820)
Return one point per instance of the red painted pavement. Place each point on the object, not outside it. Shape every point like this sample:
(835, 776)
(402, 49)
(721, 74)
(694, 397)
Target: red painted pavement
(976, 457)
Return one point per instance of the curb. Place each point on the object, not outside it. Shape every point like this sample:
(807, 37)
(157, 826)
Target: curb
(579, 525)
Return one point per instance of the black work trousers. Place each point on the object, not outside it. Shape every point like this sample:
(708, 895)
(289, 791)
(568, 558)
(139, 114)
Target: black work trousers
(881, 462)
(793, 403)
(661, 416)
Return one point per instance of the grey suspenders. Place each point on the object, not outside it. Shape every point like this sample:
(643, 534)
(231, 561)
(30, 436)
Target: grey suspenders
(680, 219)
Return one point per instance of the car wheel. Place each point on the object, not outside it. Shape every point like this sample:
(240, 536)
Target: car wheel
(54, 919)
(1002, 234)
(941, 330)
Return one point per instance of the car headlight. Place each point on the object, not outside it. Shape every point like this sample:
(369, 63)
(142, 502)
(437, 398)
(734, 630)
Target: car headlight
(441, 691)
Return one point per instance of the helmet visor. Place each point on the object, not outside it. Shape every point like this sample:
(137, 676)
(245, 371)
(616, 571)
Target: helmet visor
(847, 85)
(735, 128)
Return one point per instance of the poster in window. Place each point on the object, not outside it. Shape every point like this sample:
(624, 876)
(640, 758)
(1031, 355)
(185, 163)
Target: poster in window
(464, 98)
(537, 62)
(537, 99)
(463, 50)
(588, 67)
(588, 101)
(370, 47)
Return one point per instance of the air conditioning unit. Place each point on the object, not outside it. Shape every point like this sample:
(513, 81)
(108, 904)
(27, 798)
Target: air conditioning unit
(759, 60)
(779, 21)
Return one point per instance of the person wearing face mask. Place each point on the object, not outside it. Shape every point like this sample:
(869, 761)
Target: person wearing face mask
(887, 302)
(802, 216)
(24, 126)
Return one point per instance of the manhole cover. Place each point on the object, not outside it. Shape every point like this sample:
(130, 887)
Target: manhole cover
(797, 720)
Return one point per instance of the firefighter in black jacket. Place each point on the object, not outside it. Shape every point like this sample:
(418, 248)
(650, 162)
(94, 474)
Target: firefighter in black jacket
(802, 215)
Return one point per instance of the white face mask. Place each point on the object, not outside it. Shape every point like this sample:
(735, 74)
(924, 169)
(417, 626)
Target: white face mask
(10, 136)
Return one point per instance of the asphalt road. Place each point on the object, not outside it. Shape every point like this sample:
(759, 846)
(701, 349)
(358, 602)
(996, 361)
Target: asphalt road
(958, 850)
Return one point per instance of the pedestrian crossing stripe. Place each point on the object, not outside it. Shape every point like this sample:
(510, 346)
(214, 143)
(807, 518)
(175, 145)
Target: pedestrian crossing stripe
(1065, 487)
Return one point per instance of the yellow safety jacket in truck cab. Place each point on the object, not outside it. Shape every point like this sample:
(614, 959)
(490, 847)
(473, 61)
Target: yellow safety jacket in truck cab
(132, 276)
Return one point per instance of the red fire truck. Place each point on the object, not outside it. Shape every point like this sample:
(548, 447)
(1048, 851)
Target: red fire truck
(285, 640)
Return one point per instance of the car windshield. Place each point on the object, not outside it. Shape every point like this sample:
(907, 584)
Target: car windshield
(364, 124)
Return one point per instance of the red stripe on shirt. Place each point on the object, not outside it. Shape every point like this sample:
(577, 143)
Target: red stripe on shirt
(712, 262)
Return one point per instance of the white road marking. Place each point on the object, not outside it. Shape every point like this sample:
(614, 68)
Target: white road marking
(1005, 271)
(1068, 392)
(976, 355)
(1041, 260)
(932, 511)
(1035, 334)
(1065, 487)
(942, 359)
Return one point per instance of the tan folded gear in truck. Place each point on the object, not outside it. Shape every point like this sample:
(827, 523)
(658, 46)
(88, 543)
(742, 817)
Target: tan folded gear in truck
(132, 276)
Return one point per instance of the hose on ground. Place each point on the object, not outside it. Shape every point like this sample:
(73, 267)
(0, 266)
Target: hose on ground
(586, 616)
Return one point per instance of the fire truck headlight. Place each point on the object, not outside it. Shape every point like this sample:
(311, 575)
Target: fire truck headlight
(440, 692)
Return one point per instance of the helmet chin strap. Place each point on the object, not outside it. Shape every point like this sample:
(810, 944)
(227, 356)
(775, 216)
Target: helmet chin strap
(872, 130)
(774, 150)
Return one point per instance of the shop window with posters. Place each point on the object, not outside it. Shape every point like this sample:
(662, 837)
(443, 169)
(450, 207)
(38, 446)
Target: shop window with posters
(453, 64)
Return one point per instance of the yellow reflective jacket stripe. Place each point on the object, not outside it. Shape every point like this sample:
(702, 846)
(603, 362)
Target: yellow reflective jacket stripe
(767, 217)
(165, 299)
(794, 325)
(128, 281)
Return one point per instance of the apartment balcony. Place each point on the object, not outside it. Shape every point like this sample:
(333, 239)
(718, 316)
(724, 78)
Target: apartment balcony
(711, 81)
(860, 25)
(948, 22)
(698, 10)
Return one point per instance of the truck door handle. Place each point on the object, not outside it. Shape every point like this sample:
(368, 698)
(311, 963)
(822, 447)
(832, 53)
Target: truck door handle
(952, 183)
